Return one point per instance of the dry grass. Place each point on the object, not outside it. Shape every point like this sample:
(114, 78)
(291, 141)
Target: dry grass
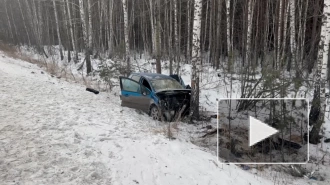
(159, 130)
(12, 52)
(7, 48)
(52, 67)
(175, 125)
(165, 130)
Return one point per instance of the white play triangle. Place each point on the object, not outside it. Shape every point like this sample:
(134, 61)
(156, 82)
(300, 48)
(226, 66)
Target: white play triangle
(259, 131)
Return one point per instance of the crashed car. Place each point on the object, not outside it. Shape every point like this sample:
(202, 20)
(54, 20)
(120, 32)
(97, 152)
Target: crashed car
(159, 95)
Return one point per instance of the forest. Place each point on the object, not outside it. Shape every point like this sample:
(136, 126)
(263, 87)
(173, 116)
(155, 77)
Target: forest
(287, 40)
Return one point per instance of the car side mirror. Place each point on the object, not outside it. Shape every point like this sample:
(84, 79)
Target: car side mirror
(188, 87)
(144, 93)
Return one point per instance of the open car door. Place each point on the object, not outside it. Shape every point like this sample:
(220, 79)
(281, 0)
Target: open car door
(134, 95)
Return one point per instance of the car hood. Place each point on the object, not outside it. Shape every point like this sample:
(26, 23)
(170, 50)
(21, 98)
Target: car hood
(173, 91)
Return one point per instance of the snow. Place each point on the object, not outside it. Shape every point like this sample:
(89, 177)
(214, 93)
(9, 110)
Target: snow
(55, 132)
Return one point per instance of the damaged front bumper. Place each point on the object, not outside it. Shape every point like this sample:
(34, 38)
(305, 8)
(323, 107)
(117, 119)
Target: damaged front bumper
(174, 105)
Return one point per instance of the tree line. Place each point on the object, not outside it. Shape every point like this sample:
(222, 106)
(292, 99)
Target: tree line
(289, 31)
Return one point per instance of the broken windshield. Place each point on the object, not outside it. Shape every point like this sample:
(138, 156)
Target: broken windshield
(166, 84)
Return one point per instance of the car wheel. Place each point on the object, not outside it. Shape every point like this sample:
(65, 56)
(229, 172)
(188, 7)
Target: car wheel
(154, 113)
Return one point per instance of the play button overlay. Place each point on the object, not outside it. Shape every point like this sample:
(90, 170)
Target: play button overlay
(262, 131)
(259, 131)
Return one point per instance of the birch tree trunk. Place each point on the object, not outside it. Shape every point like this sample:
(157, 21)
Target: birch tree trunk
(285, 19)
(292, 33)
(313, 50)
(302, 30)
(196, 59)
(102, 11)
(32, 16)
(228, 28)
(265, 34)
(158, 40)
(67, 42)
(24, 22)
(279, 29)
(36, 23)
(58, 30)
(127, 56)
(110, 28)
(188, 29)
(153, 31)
(84, 22)
(40, 22)
(249, 32)
(232, 27)
(211, 30)
(176, 37)
(73, 42)
(90, 27)
(218, 35)
(170, 37)
(322, 61)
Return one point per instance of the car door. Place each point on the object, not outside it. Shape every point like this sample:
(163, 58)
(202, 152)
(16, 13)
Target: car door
(133, 94)
(130, 91)
(145, 100)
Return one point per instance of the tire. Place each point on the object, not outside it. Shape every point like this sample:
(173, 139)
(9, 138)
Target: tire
(154, 113)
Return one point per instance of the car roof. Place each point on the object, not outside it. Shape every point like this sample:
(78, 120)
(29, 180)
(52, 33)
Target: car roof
(151, 76)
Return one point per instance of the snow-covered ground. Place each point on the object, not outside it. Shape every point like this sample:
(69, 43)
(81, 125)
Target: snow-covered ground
(54, 132)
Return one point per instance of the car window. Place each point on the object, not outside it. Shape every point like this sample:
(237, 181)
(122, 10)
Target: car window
(166, 84)
(146, 84)
(136, 78)
(145, 90)
(130, 85)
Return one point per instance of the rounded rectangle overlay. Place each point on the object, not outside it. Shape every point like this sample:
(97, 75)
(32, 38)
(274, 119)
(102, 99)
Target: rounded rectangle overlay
(263, 131)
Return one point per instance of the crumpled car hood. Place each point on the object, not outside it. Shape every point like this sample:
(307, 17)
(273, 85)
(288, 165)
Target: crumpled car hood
(173, 92)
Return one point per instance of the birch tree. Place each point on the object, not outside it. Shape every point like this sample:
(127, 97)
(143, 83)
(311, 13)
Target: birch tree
(24, 22)
(319, 101)
(188, 29)
(285, 19)
(302, 29)
(110, 28)
(196, 60)
(153, 31)
(218, 35)
(170, 37)
(158, 40)
(249, 31)
(58, 30)
(228, 27)
(292, 32)
(33, 20)
(86, 37)
(127, 56)
(73, 42)
(279, 29)
(90, 26)
(176, 36)
(266, 32)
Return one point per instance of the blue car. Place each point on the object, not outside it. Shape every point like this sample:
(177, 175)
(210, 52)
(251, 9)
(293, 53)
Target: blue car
(161, 96)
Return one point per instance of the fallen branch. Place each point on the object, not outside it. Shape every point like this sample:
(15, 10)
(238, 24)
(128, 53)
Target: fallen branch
(92, 90)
